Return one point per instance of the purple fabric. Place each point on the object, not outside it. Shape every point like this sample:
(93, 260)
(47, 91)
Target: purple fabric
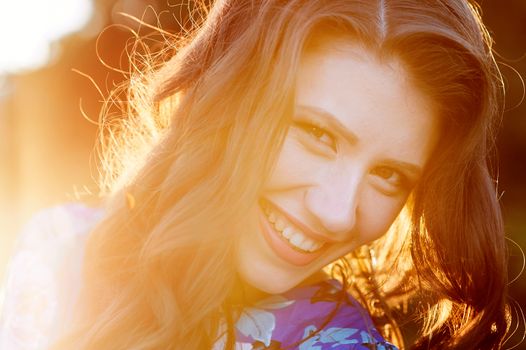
(283, 321)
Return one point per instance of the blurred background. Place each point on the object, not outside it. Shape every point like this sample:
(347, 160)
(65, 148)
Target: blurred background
(49, 48)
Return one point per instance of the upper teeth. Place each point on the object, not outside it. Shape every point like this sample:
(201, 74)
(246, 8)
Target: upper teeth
(293, 235)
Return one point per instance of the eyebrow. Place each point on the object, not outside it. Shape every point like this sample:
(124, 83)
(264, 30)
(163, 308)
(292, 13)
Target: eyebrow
(331, 120)
(352, 138)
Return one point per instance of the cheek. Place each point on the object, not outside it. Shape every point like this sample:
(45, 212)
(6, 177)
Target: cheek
(376, 214)
(294, 165)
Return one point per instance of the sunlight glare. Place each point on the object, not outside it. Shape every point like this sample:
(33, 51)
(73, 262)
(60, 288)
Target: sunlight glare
(27, 29)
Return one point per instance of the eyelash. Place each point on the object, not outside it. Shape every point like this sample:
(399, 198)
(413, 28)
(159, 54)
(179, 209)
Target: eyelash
(402, 181)
(317, 132)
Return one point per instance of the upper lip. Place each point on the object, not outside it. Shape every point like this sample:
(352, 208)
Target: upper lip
(305, 229)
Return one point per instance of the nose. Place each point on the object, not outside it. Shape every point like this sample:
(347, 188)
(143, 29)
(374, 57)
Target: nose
(333, 202)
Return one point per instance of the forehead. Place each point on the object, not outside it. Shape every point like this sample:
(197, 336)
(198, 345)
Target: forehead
(373, 99)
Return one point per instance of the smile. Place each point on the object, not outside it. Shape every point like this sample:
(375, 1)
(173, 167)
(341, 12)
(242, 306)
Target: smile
(286, 239)
(290, 233)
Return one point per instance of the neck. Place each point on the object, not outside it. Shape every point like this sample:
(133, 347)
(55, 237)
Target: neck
(245, 294)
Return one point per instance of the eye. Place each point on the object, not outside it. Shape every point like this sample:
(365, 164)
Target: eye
(318, 133)
(390, 177)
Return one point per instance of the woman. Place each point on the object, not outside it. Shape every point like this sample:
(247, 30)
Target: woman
(289, 155)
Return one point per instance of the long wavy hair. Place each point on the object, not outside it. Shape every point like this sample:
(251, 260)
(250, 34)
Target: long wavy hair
(201, 133)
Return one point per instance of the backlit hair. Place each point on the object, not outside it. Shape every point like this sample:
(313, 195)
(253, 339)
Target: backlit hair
(202, 133)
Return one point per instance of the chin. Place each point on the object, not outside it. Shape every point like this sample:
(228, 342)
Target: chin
(266, 276)
(269, 284)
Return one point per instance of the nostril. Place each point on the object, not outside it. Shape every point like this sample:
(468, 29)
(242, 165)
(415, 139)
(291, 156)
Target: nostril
(336, 214)
(338, 229)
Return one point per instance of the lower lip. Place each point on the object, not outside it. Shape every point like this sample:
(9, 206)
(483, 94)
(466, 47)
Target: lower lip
(282, 248)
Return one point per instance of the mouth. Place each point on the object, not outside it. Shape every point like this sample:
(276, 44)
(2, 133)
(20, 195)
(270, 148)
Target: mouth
(286, 239)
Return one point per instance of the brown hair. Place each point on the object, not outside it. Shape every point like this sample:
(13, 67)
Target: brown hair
(159, 270)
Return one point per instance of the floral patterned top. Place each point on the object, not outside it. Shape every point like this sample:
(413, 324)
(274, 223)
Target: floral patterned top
(43, 280)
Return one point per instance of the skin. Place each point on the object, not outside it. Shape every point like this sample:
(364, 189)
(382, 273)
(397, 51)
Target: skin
(345, 180)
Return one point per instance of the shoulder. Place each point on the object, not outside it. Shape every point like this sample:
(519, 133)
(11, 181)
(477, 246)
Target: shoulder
(316, 317)
(59, 222)
(43, 275)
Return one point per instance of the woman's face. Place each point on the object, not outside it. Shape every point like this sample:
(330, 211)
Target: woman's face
(359, 139)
